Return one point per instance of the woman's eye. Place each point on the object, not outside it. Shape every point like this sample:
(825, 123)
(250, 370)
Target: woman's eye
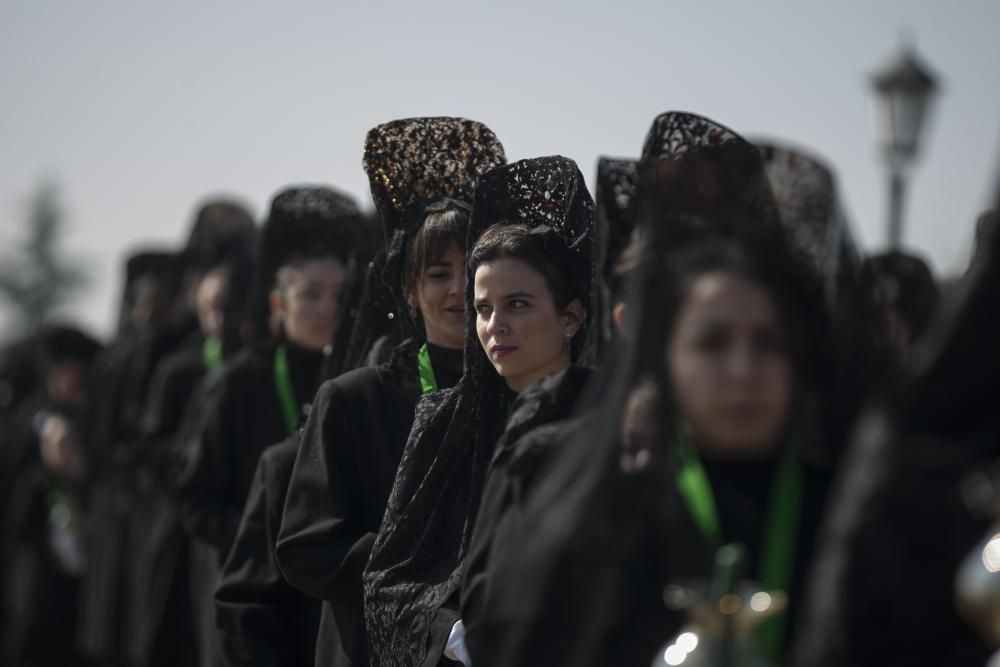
(517, 304)
(483, 310)
(712, 341)
(438, 275)
(311, 295)
(771, 342)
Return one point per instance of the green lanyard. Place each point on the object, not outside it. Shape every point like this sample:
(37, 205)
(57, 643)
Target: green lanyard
(286, 394)
(776, 559)
(428, 382)
(211, 353)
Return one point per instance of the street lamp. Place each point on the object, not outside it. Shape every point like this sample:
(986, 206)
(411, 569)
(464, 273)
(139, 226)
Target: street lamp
(903, 93)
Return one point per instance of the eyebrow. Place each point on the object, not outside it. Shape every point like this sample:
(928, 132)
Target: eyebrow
(511, 295)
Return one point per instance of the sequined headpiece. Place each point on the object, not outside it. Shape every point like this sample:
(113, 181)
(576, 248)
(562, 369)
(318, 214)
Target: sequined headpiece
(415, 161)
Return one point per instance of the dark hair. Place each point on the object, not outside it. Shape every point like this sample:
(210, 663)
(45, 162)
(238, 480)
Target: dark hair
(903, 282)
(445, 225)
(624, 265)
(504, 240)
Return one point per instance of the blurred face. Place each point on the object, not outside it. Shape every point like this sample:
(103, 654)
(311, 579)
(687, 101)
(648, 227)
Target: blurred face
(142, 302)
(210, 301)
(440, 298)
(521, 331)
(64, 382)
(898, 332)
(306, 301)
(730, 368)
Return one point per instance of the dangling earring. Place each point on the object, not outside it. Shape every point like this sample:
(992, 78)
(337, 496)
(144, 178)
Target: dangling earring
(569, 340)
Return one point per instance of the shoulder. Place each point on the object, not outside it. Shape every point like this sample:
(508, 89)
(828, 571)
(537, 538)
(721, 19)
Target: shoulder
(553, 398)
(245, 366)
(280, 457)
(185, 360)
(365, 383)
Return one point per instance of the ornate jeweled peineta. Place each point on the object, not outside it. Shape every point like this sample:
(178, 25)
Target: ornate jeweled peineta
(420, 160)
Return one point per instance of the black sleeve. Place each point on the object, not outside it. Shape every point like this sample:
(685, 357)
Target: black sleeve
(170, 394)
(322, 544)
(205, 487)
(522, 613)
(254, 606)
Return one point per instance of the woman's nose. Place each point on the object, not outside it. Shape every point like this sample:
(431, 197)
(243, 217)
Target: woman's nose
(496, 324)
(740, 364)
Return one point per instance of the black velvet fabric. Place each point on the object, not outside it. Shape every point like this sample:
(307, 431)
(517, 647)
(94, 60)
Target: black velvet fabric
(261, 619)
(241, 417)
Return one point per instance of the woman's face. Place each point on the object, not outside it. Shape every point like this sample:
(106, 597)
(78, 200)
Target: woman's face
(306, 301)
(210, 301)
(440, 297)
(523, 334)
(730, 367)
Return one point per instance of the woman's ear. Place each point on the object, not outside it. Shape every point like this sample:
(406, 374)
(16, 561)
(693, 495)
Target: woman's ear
(618, 317)
(277, 304)
(573, 317)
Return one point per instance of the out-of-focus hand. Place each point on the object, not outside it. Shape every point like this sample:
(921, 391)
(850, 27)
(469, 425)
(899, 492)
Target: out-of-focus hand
(60, 448)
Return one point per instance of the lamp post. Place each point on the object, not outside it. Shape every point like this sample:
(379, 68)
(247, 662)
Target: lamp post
(903, 90)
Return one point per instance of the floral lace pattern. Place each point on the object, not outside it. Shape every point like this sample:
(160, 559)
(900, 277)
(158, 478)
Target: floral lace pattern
(547, 193)
(616, 183)
(676, 132)
(806, 196)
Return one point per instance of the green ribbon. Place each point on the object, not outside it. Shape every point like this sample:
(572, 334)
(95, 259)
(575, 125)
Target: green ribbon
(428, 382)
(286, 394)
(211, 353)
(776, 560)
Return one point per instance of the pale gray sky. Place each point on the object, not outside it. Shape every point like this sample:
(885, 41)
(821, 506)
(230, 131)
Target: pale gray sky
(138, 110)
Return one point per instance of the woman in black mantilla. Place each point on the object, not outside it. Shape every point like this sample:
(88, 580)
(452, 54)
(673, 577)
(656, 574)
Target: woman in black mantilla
(422, 172)
(576, 569)
(257, 398)
(529, 288)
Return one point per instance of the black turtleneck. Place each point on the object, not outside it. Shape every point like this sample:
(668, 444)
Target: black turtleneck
(447, 364)
(742, 492)
(306, 367)
(343, 474)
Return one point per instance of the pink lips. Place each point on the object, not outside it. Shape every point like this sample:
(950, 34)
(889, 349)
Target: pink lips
(501, 351)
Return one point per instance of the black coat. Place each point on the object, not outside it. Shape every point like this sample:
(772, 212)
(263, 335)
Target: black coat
(261, 619)
(38, 588)
(240, 417)
(162, 630)
(341, 482)
(118, 386)
(600, 603)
